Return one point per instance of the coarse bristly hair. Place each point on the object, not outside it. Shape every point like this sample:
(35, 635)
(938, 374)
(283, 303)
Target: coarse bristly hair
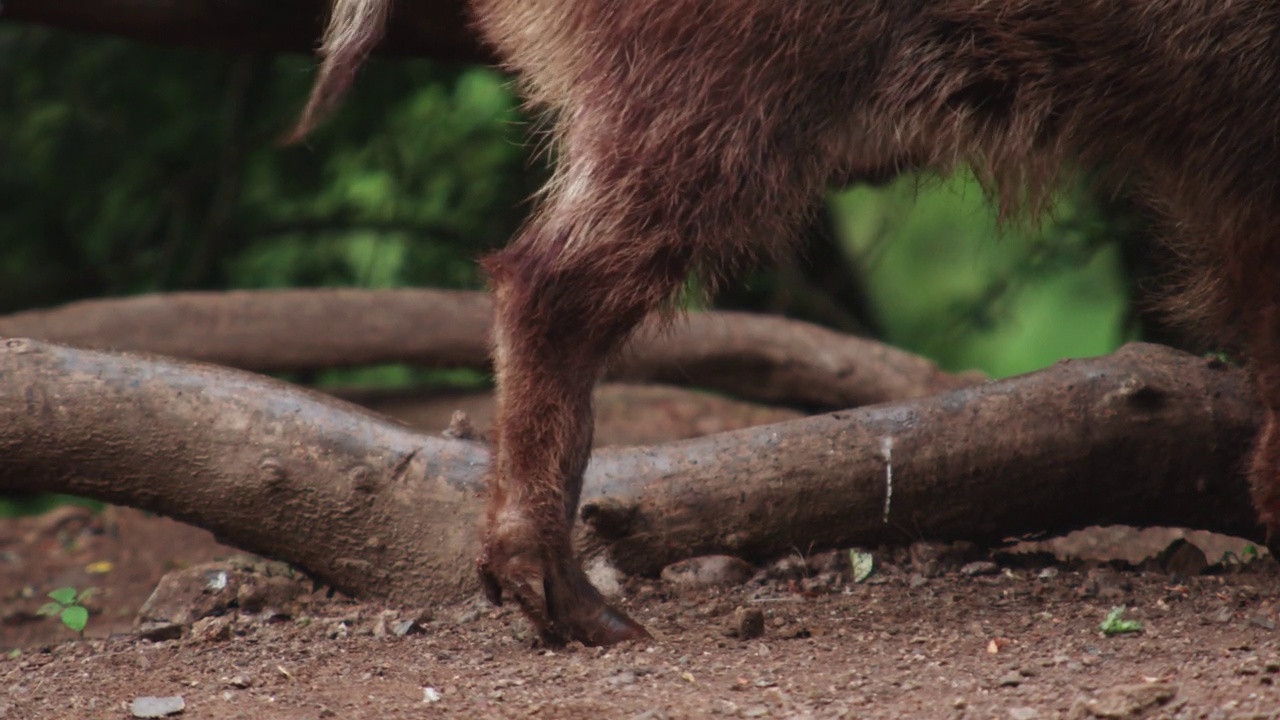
(695, 135)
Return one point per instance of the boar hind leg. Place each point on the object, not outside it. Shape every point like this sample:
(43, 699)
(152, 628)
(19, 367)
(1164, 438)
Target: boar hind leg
(614, 242)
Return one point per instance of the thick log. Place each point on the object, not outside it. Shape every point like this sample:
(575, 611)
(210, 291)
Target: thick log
(751, 356)
(1147, 436)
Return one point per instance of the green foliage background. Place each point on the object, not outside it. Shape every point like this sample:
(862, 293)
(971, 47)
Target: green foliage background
(131, 169)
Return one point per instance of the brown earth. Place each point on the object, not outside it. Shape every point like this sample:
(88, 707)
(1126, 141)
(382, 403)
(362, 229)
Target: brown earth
(927, 636)
(1021, 643)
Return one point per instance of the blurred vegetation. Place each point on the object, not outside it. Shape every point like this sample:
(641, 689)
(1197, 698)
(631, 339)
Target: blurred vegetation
(131, 169)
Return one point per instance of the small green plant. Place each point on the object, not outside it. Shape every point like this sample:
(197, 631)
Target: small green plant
(68, 605)
(1115, 624)
(1246, 556)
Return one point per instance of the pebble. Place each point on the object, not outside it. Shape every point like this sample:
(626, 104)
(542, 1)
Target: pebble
(1023, 713)
(979, 568)
(160, 631)
(155, 707)
(212, 629)
(747, 624)
(1126, 701)
(625, 677)
(1011, 679)
(707, 571)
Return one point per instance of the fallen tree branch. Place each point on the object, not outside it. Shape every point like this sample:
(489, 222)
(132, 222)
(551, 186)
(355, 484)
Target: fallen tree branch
(1148, 436)
(751, 356)
(437, 29)
(625, 414)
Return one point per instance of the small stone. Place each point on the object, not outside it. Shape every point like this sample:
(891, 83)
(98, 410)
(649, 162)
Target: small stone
(707, 571)
(932, 559)
(155, 707)
(380, 625)
(774, 696)
(160, 631)
(979, 568)
(1048, 573)
(239, 681)
(407, 627)
(1011, 679)
(460, 427)
(755, 711)
(1107, 584)
(1023, 713)
(625, 677)
(788, 567)
(212, 629)
(1126, 701)
(1182, 559)
(747, 624)
(604, 576)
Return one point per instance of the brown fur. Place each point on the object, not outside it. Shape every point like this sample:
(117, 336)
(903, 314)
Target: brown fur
(695, 136)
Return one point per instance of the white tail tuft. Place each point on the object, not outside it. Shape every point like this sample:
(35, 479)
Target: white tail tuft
(355, 29)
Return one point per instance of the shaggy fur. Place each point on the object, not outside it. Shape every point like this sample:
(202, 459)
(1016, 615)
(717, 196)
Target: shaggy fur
(696, 135)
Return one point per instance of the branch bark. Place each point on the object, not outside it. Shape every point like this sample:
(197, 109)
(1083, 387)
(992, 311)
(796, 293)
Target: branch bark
(755, 357)
(625, 414)
(1148, 436)
(435, 28)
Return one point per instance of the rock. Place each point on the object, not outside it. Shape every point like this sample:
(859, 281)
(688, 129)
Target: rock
(831, 561)
(155, 707)
(707, 571)
(932, 559)
(212, 629)
(407, 627)
(1011, 679)
(1124, 702)
(625, 677)
(1106, 584)
(606, 577)
(159, 631)
(1182, 559)
(200, 591)
(187, 595)
(1023, 713)
(269, 593)
(747, 624)
(980, 567)
(788, 567)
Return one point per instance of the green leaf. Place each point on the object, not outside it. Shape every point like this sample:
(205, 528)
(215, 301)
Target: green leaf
(64, 595)
(75, 617)
(1115, 624)
(863, 565)
(50, 609)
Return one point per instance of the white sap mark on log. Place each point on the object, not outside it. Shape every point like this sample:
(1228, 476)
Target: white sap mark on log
(886, 449)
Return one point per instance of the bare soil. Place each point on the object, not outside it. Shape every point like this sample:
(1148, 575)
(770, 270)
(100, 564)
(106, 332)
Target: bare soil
(921, 638)
(926, 636)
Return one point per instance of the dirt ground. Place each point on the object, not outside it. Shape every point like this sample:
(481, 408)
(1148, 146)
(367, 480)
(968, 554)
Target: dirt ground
(930, 634)
(927, 636)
